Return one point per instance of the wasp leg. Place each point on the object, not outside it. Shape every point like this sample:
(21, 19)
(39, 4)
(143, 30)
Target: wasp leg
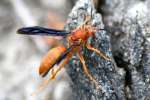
(97, 51)
(86, 71)
(87, 19)
(59, 68)
(43, 85)
(54, 73)
(61, 65)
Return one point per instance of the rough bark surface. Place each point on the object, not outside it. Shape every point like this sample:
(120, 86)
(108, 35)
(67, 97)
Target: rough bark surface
(105, 72)
(126, 42)
(128, 25)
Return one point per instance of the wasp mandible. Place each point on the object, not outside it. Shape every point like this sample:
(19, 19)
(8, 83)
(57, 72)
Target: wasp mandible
(60, 55)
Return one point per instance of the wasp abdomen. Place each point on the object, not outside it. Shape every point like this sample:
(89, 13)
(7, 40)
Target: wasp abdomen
(50, 59)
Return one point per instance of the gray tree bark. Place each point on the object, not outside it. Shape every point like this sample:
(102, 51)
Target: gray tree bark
(125, 41)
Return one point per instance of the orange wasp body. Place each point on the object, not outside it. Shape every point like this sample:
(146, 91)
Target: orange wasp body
(80, 34)
(60, 55)
(50, 59)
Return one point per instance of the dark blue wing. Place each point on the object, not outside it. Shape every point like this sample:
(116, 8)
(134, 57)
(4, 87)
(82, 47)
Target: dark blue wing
(37, 30)
(60, 59)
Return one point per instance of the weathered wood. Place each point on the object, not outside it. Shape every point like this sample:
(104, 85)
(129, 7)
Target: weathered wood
(105, 72)
(128, 25)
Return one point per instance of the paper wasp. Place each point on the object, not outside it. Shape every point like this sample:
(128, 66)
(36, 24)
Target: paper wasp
(60, 55)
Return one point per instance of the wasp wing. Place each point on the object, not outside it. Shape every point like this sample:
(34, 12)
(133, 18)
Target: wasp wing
(63, 56)
(37, 30)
